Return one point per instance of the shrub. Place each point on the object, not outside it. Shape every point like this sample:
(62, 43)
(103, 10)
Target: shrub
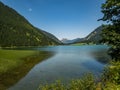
(112, 73)
(85, 83)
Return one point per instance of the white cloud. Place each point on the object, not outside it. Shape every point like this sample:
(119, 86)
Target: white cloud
(30, 9)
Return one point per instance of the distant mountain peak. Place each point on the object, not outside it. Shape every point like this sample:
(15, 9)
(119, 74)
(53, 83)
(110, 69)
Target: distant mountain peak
(66, 41)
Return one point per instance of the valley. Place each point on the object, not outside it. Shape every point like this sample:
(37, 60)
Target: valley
(32, 56)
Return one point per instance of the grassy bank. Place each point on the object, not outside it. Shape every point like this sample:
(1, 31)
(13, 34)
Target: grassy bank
(80, 44)
(10, 59)
(16, 64)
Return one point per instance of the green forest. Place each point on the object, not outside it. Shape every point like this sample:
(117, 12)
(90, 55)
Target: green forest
(16, 31)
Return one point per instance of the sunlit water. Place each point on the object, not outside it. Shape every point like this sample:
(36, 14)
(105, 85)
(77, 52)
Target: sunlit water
(68, 62)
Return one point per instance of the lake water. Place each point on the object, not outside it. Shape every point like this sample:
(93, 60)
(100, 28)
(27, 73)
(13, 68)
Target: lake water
(67, 62)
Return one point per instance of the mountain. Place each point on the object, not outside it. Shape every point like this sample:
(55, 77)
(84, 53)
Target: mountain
(66, 41)
(15, 30)
(94, 37)
(51, 36)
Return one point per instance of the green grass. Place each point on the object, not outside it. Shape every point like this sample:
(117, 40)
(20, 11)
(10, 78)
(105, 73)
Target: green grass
(15, 64)
(10, 59)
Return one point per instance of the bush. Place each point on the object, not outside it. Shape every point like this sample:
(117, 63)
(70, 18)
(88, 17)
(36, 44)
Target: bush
(85, 83)
(112, 73)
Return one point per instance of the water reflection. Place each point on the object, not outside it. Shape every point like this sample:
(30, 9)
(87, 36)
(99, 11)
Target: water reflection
(101, 56)
(10, 78)
(70, 62)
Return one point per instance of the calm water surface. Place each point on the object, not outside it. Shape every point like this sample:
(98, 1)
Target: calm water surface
(68, 62)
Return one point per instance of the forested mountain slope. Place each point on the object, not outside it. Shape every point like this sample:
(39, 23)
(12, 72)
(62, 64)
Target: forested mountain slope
(15, 30)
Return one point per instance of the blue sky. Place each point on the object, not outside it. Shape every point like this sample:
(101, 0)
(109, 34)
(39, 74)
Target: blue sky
(64, 18)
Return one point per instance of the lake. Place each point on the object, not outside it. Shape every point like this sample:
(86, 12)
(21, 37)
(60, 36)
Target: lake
(65, 63)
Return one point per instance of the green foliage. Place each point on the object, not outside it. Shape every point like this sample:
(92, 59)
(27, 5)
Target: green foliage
(111, 76)
(112, 73)
(54, 86)
(112, 37)
(15, 30)
(111, 34)
(85, 83)
(111, 11)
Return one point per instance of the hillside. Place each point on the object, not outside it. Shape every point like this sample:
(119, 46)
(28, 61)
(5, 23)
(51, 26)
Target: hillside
(94, 36)
(15, 30)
